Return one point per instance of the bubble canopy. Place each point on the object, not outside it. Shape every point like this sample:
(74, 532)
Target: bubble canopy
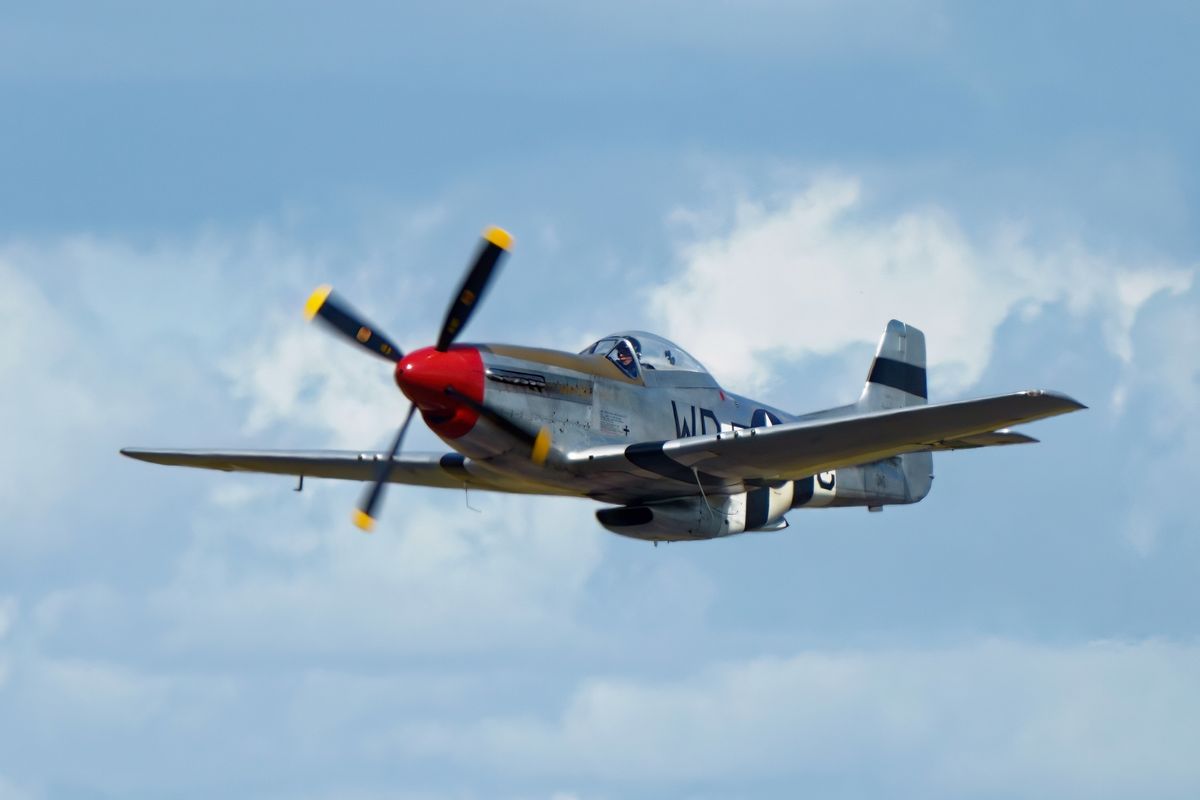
(653, 352)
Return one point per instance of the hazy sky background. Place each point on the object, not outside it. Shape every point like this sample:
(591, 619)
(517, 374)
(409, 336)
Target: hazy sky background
(767, 183)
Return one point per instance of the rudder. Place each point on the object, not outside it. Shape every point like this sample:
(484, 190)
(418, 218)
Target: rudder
(897, 376)
(897, 379)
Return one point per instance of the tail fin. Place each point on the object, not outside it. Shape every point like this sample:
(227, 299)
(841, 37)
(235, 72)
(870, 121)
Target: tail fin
(897, 376)
(897, 380)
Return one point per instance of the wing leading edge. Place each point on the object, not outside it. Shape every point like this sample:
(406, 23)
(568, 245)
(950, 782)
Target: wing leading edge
(796, 450)
(440, 470)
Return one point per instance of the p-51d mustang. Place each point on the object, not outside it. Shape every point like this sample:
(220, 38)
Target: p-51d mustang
(635, 422)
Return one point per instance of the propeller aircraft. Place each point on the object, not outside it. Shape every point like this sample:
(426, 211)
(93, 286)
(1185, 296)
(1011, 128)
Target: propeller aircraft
(635, 422)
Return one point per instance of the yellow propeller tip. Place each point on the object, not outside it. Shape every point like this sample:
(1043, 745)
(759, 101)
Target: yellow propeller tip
(541, 447)
(499, 237)
(363, 521)
(316, 300)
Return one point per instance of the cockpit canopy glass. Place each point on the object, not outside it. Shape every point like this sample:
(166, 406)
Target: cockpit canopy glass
(651, 352)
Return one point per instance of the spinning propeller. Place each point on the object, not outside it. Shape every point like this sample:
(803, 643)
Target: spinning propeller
(444, 382)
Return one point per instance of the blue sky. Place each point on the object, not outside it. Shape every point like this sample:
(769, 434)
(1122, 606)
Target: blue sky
(767, 183)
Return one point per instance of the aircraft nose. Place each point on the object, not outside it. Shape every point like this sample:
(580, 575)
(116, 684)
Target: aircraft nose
(423, 376)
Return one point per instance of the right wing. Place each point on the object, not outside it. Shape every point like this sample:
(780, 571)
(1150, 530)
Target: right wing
(795, 450)
(442, 470)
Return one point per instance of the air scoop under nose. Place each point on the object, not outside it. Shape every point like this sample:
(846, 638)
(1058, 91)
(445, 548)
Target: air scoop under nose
(424, 375)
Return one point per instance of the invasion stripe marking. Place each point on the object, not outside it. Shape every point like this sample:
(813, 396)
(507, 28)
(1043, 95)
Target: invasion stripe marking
(898, 375)
(758, 508)
(802, 491)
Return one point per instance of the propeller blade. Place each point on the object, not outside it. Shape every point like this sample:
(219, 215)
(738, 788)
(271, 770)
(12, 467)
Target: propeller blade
(364, 515)
(328, 307)
(496, 242)
(539, 442)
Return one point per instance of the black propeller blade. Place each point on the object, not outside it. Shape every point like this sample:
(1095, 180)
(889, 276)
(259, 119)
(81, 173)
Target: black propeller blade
(337, 314)
(539, 442)
(364, 515)
(496, 242)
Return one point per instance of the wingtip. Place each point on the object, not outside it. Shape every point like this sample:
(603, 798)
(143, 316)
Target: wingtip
(1067, 400)
(1069, 403)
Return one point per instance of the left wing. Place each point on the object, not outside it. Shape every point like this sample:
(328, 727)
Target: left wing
(796, 450)
(442, 470)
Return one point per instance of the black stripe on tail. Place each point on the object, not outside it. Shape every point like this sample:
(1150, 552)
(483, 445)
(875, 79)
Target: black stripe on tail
(899, 375)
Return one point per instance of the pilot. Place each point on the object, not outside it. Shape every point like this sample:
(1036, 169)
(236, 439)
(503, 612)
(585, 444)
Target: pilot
(623, 357)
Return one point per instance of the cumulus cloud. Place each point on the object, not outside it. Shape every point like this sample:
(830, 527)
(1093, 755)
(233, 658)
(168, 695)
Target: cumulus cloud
(47, 405)
(105, 343)
(984, 718)
(100, 339)
(303, 377)
(234, 571)
(99, 363)
(434, 578)
(818, 272)
(997, 717)
(1163, 383)
(255, 574)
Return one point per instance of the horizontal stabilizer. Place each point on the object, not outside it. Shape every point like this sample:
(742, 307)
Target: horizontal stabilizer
(992, 439)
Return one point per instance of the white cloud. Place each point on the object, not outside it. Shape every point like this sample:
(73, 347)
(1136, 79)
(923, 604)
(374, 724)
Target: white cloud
(816, 273)
(131, 343)
(989, 718)
(268, 572)
(433, 578)
(47, 406)
(99, 339)
(105, 343)
(995, 718)
(1162, 382)
(303, 377)
(96, 694)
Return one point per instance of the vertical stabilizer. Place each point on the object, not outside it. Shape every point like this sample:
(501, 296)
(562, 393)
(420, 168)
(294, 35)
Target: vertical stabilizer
(897, 380)
(897, 376)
